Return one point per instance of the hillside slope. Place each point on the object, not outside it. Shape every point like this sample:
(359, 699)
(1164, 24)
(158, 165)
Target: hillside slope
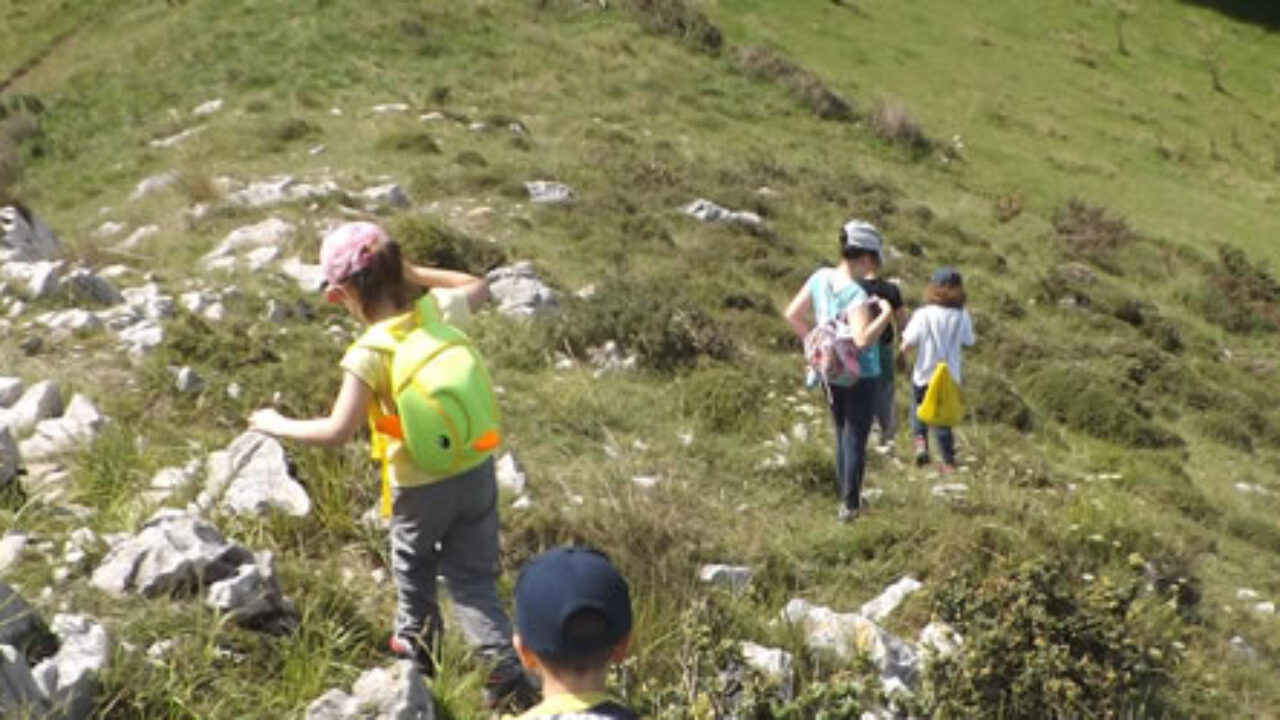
(1111, 212)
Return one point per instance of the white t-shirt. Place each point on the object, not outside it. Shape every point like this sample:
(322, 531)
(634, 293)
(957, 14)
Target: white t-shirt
(939, 332)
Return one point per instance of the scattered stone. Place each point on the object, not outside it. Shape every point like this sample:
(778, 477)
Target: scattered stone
(850, 634)
(37, 280)
(775, 664)
(519, 292)
(1247, 594)
(1265, 608)
(309, 277)
(143, 336)
(154, 184)
(207, 108)
(177, 138)
(187, 381)
(109, 229)
(545, 192)
(390, 195)
(871, 496)
(252, 596)
(73, 431)
(950, 491)
(69, 679)
(148, 301)
(19, 622)
(646, 482)
(735, 578)
(270, 233)
(12, 545)
(10, 457)
(80, 543)
(395, 693)
(252, 476)
(69, 321)
(524, 502)
(276, 312)
(938, 640)
(174, 553)
(84, 284)
(609, 358)
(708, 211)
(24, 237)
(40, 402)
(884, 604)
(511, 476)
(389, 108)
(20, 697)
(276, 191)
(1243, 650)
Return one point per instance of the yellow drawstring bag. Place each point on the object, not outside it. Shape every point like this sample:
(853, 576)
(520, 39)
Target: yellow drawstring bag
(942, 405)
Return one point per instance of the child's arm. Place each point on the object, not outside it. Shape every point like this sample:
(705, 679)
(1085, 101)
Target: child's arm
(343, 420)
(911, 334)
(798, 312)
(866, 331)
(476, 289)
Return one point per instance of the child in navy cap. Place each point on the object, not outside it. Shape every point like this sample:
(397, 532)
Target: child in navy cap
(573, 620)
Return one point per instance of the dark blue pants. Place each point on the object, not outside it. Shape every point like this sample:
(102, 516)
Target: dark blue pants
(852, 408)
(946, 441)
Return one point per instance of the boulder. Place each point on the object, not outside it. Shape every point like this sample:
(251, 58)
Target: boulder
(19, 622)
(69, 679)
(772, 663)
(252, 476)
(37, 279)
(10, 457)
(708, 211)
(173, 553)
(850, 634)
(71, 432)
(10, 390)
(734, 578)
(270, 233)
(518, 292)
(24, 237)
(20, 697)
(252, 596)
(545, 192)
(394, 693)
(84, 284)
(511, 476)
(879, 608)
(40, 402)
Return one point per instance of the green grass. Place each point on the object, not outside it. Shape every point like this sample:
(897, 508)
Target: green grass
(1136, 371)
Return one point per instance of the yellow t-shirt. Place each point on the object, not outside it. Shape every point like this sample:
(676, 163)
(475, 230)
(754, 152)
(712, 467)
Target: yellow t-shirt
(373, 367)
(564, 704)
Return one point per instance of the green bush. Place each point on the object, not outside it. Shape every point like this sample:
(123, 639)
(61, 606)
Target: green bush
(992, 400)
(725, 399)
(408, 141)
(425, 240)
(766, 64)
(1227, 428)
(681, 20)
(1095, 405)
(1089, 233)
(1039, 644)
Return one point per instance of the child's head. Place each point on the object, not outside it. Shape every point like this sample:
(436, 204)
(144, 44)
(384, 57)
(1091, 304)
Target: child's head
(363, 269)
(573, 613)
(946, 288)
(860, 244)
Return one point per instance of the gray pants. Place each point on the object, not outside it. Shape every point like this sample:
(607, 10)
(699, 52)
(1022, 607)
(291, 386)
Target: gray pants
(884, 413)
(450, 528)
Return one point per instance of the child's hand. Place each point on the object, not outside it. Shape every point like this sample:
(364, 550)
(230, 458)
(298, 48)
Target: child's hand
(266, 420)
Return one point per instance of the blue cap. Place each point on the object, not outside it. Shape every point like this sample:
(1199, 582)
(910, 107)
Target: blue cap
(557, 585)
(946, 276)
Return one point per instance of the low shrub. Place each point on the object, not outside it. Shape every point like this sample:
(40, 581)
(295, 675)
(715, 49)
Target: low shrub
(277, 134)
(1226, 428)
(1039, 644)
(992, 400)
(1089, 233)
(416, 142)
(724, 399)
(679, 19)
(1093, 404)
(894, 123)
(425, 240)
(766, 64)
(1243, 296)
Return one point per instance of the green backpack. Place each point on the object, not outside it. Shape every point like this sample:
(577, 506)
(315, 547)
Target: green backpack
(446, 410)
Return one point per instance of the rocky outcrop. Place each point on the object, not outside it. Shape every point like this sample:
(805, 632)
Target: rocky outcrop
(394, 693)
(74, 430)
(546, 192)
(256, 244)
(519, 292)
(24, 237)
(251, 477)
(708, 211)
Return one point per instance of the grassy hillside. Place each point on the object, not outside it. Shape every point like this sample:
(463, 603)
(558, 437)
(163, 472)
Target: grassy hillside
(1118, 391)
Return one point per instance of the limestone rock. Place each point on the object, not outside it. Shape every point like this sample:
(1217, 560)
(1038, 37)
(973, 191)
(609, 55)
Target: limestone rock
(252, 476)
(10, 391)
(142, 337)
(252, 596)
(20, 697)
(154, 184)
(309, 277)
(950, 491)
(12, 544)
(207, 108)
(187, 380)
(938, 640)
(67, 321)
(545, 192)
(174, 553)
(394, 693)
(519, 292)
(511, 476)
(19, 622)
(708, 211)
(135, 238)
(38, 279)
(884, 604)
(276, 191)
(775, 664)
(389, 195)
(40, 402)
(609, 358)
(177, 138)
(270, 233)
(24, 237)
(70, 678)
(73, 431)
(10, 457)
(735, 578)
(850, 634)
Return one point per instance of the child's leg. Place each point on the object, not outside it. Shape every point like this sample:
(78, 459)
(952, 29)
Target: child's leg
(415, 528)
(919, 430)
(947, 444)
(885, 416)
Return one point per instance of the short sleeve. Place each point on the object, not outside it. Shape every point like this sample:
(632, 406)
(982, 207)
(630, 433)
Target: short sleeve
(368, 365)
(893, 294)
(966, 329)
(911, 333)
(453, 305)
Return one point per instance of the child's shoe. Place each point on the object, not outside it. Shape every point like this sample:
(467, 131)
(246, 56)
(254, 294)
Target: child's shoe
(509, 688)
(922, 452)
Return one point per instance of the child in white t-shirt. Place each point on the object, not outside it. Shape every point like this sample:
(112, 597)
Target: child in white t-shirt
(939, 330)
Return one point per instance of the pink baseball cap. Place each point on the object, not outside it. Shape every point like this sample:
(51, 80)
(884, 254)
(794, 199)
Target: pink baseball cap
(348, 250)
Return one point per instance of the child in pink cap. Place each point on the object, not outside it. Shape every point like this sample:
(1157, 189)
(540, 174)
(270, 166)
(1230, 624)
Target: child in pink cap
(446, 526)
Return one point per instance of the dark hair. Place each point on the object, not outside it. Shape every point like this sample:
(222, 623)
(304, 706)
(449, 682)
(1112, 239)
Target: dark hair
(586, 627)
(383, 281)
(949, 295)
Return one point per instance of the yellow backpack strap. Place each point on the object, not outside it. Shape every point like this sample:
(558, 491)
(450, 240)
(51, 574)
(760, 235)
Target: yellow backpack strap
(380, 339)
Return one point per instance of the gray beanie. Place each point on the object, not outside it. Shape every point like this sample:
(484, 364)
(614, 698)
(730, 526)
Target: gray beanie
(861, 235)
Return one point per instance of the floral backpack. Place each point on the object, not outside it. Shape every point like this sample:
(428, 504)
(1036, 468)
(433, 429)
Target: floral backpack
(830, 351)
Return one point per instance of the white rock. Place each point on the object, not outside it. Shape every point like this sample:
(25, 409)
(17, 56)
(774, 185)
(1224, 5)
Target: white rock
(251, 476)
(259, 258)
(735, 578)
(142, 337)
(519, 292)
(149, 300)
(10, 457)
(67, 321)
(883, 605)
(950, 491)
(395, 693)
(173, 553)
(938, 640)
(545, 192)
(154, 184)
(40, 402)
(511, 476)
(270, 233)
(708, 211)
(24, 237)
(1265, 608)
(775, 664)
(389, 195)
(609, 358)
(309, 277)
(524, 502)
(37, 279)
(18, 620)
(1243, 650)
(646, 482)
(277, 191)
(177, 138)
(207, 108)
(85, 285)
(390, 108)
(80, 543)
(850, 634)
(1247, 594)
(12, 544)
(252, 596)
(187, 380)
(276, 312)
(71, 432)
(109, 229)
(70, 678)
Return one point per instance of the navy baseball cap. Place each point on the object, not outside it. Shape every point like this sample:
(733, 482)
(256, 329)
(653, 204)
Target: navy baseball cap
(946, 276)
(557, 585)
